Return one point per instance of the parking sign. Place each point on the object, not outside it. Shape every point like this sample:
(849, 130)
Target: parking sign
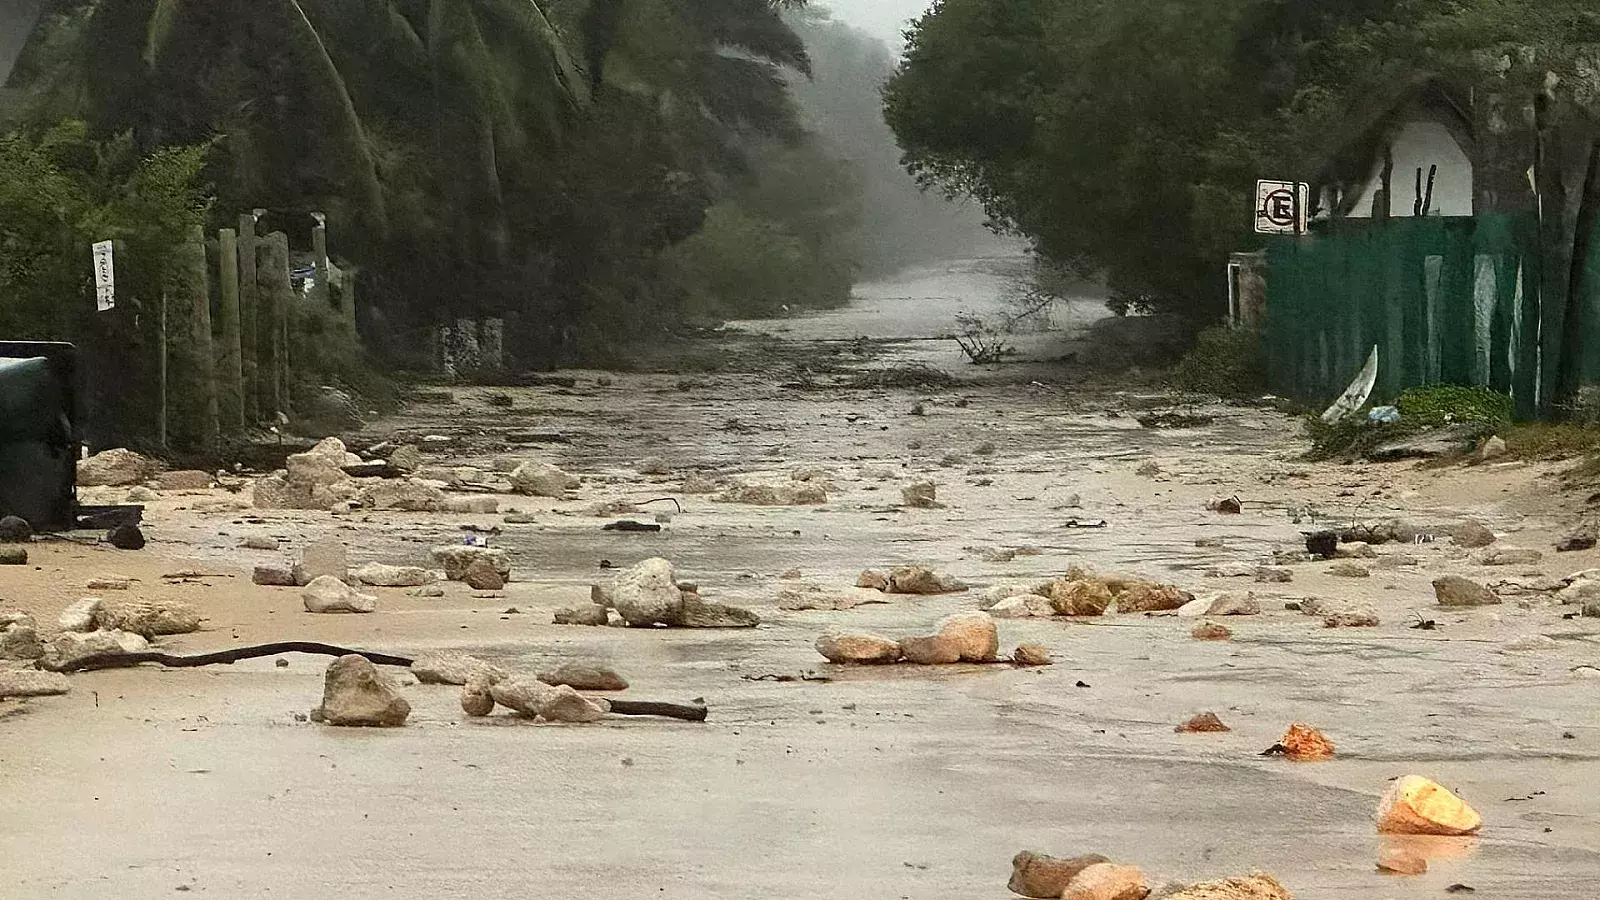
(1281, 207)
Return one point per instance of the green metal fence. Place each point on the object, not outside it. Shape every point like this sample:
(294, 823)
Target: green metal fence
(1445, 300)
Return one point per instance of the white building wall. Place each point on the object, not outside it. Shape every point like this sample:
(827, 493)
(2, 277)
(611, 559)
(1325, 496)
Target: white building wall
(1421, 144)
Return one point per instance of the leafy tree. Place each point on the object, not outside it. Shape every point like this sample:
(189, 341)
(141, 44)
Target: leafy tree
(1125, 137)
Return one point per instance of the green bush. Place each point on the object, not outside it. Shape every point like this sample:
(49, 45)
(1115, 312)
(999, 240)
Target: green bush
(1228, 362)
(1453, 404)
(1351, 437)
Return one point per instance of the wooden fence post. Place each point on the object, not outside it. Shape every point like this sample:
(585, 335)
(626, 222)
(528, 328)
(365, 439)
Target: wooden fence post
(230, 356)
(250, 348)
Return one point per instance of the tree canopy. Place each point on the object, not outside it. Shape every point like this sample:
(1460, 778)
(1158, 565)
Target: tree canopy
(1125, 137)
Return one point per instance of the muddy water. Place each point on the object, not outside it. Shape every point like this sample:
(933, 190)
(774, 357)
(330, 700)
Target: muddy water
(902, 782)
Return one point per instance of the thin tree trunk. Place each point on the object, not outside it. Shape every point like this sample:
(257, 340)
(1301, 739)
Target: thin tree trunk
(196, 286)
(250, 349)
(1569, 372)
(161, 373)
(275, 295)
(230, 355)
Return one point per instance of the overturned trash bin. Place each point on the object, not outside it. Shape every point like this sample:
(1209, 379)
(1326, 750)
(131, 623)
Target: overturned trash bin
(38, 433)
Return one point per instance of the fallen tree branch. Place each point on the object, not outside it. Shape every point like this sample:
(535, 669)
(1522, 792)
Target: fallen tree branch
(224, 657)
(688, 713)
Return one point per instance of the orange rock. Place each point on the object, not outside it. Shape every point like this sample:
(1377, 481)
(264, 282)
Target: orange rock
(1303, 743)
(1107, 881)
(1204, 722)
(1416, 805)
(1210, 631)
(1400, 861)
(1037, 875)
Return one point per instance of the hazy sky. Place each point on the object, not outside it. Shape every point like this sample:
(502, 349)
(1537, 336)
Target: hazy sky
(884, 18)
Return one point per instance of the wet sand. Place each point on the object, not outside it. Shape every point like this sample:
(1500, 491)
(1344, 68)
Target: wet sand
(903, 782)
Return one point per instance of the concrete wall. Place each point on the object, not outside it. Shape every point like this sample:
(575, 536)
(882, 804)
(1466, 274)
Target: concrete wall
(1421, 143)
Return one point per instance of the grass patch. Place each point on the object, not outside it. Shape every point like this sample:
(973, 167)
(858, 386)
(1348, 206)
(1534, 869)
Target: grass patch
(1549, 441)
(1438, 405)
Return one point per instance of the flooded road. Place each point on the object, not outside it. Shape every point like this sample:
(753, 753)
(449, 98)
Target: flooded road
(904, 782)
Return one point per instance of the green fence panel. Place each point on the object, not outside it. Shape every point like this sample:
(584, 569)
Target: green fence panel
(1464, 300)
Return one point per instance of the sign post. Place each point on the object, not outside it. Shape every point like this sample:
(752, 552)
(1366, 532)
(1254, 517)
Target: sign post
(105, 276)
(1282, 207)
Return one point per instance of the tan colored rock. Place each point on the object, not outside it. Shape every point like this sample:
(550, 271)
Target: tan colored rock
(592, 615)
(330, 595)
(81, 615)
(542, 480)
(647, 593)
(1211, 631)
(567, 705)
(1079, 597)
(1472, 535)
(878, 581)
(800, 494)
(1349, 569)
(1032, 655)
(1239, 603)
(31, 683)
(857, 649)
(1145, 596)
(1045, 877)
(274, 575)
(407, 494)
(931, 650)
(1355, 550)
(694, 612)
(1455, 591)
(447, 667)
(922, 495)
(1254, 887)
(476, 699)
(1417, 805)
(522, 694)
(149, 618)
(1510, 556)
(381, 575)
(1023, 606)
(973, 635)
(921, 580)
(184, 480)
(115, 468)
(20, 641)
(1274, 575)
(327, 556)
(68, 647)
(1107, 881)
(456, 558)
(354, 693)
(585, 676)
(470, 505)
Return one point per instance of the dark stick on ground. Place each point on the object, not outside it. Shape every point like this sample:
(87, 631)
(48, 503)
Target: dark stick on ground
(225, 657)
(688, 713)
